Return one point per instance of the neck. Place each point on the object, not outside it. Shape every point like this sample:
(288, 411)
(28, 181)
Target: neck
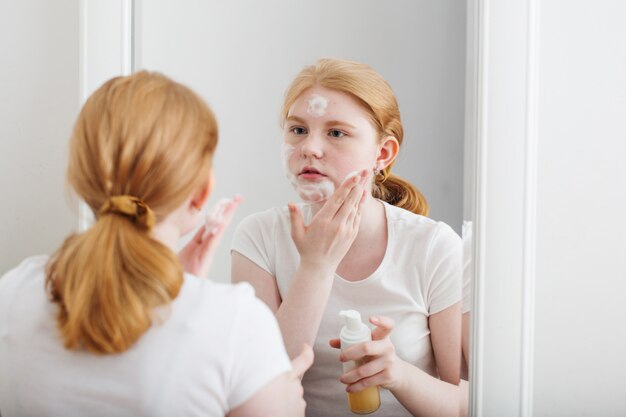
(167, 234)
(373, 221)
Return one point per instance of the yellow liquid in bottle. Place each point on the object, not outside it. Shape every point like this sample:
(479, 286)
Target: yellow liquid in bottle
(364, 402)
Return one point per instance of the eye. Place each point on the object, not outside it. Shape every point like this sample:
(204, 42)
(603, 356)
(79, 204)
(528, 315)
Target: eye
(297, 130)
(336, 133)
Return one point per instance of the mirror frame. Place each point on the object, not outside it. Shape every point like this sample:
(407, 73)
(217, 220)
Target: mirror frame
(502, 68)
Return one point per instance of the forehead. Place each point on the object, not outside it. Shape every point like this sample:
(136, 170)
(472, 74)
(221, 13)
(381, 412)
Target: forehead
(337, 103)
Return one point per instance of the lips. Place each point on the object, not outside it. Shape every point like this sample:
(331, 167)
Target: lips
(310, 170)
(310, 173)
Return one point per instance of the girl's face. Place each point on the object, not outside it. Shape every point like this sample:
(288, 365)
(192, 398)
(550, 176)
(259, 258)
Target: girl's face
(327, 136)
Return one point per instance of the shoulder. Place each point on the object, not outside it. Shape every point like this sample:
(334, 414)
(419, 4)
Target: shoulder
(422, 233)
(30, 269)
(262, 220)
(409, 222)
(224, 298)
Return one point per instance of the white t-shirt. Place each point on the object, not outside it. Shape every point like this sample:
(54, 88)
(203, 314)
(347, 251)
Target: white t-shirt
(217, 346)
(419, 275)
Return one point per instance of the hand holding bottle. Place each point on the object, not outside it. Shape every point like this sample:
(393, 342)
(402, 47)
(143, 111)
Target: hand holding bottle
(381, 365)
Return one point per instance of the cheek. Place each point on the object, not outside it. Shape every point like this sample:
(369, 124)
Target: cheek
(288, 156)
(347, 163)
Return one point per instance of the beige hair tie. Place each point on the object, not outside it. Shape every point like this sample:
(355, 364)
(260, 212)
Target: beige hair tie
(132, 207)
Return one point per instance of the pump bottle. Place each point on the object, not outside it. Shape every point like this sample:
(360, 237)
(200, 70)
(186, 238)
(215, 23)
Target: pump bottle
(355, 332)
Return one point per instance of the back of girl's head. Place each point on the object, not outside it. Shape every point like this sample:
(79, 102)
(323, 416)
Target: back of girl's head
(149, 138)
(371, 89)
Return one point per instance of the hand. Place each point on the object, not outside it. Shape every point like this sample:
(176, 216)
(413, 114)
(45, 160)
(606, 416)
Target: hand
(382, 366)
(300, 364)
(197, 255)
(326, 240)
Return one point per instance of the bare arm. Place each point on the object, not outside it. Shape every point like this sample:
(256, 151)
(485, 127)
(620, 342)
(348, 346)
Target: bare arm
(244, 270)
(425, 395)
(445, 336)
(299, 316)
(465, 332)
(321, 245)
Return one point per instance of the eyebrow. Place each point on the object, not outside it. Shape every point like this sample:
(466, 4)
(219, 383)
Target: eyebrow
(328, 123)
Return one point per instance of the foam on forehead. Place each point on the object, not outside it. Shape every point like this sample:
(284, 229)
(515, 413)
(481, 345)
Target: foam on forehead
(317, 105)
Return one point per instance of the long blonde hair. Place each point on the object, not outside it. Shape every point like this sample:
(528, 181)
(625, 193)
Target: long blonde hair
(367, 86)
(145, 136)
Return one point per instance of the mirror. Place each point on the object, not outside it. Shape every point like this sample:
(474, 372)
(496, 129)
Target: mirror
(241, 56)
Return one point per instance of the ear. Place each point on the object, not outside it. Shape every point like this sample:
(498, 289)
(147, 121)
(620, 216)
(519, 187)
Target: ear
(201, 195)
(387, 152)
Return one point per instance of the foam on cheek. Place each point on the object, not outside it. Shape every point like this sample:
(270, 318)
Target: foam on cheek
(285, 152)
(310, 192)
(317, 105)
(315, 192)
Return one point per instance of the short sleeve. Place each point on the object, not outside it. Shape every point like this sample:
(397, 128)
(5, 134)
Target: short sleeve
(252, 237)
(257, 353)
(443, 269)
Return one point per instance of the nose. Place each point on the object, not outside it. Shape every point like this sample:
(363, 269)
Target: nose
(313, 146)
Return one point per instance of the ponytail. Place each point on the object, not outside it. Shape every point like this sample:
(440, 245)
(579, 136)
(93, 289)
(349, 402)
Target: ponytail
(107, 281)
(399, 192)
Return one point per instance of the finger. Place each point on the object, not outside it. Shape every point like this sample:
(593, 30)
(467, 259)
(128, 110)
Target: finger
(349, 205)
(296, 221)
(303, 361)
(200, 235)
(229, 211)
(333, 204)
(366, 370)
(356, 216)
(363, 350)
(384, 327)
(335, 343)
(380, 379)
(216, 223)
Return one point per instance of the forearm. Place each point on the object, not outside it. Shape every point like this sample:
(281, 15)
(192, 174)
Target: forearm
(301, 310)
(424, 395)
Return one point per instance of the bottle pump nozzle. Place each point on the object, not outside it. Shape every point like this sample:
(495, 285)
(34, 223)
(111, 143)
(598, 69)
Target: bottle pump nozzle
(354, 330)
(352, 319)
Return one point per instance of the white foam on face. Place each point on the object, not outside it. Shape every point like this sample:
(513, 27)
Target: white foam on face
(351, 175)
(286, 151)
(309, 191)
(317, 105)
(316, 192)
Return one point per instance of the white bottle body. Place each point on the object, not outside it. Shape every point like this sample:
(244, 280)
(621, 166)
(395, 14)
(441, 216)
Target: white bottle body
(355, 332)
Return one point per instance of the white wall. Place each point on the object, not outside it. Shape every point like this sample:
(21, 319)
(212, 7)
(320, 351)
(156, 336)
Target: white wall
(241, 56)
(39, 100)
(580, 315)
(550, 310)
